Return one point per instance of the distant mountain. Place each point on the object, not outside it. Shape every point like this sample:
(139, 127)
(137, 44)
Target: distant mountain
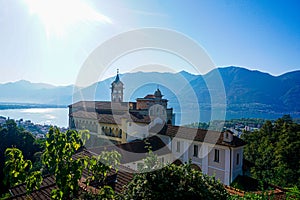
(248, 93)
(254, 93)
(36, 93)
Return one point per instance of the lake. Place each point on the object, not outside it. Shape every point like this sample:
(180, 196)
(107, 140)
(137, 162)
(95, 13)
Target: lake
(50, 116)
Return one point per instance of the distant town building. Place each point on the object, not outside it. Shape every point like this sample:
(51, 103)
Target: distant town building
(2, 120)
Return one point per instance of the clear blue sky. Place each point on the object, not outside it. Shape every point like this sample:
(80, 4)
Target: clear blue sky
(49, 42)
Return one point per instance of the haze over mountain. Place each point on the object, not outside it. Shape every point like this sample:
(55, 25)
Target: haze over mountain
(248, 93)
(39, 93)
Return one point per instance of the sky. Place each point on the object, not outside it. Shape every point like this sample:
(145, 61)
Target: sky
(49, 40)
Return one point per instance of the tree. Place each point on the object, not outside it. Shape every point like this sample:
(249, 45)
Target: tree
(98, 168)
(17, 170)
(13, 136)
(156, 181)
(174, 182)
(58, 158)
(275, 150)
(15, 167)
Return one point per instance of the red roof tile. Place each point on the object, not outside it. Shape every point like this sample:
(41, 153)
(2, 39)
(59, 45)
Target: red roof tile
(115, 118)
(137, 150)
(201, 135)
(48, 184)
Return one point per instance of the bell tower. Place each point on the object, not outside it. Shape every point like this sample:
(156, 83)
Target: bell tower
(117, 89)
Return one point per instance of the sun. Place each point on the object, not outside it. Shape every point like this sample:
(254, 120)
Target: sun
(58, 16)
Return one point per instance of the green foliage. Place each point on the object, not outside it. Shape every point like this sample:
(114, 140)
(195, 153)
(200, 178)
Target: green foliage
(106, 193)
(151, 162)
(232, 123)
(158, 181)
(84, 135)
(33, 181)
(252, 196)
(13, 136)
(15, 167)
(99, 167)
(58, 158)
(174, 182)
(293, 193)
(60, 147)
(275, 150)
(17, 170)
(5, 196)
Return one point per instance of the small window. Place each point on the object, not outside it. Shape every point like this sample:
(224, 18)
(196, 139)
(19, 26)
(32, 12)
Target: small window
(217, 154)
(178, 146)
(237, 159)
(195, 151)
(120, 133)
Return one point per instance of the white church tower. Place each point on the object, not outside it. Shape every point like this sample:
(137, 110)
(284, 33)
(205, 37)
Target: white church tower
(117, 89)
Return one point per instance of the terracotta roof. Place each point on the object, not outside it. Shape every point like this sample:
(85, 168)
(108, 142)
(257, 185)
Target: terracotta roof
(84, 114)
(201, 135)
(148, 96)
(137, 150)
(234, 191)
(117, 119)
(124, 176)
(48, 184)
(104, 105)
(276, 193)
(112, 118)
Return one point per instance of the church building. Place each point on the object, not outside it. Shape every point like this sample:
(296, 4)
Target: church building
(117, 120)
(214, 153)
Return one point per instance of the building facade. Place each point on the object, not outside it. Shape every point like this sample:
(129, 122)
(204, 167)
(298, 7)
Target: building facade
(120, 121)
(214, 153)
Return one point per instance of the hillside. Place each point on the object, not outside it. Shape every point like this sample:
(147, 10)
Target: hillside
(248, 93)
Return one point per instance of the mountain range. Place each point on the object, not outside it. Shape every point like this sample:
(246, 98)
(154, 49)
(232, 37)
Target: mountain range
(241, 93)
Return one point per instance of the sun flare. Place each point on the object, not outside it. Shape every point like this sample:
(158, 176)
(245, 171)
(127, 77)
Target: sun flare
(57, 16)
